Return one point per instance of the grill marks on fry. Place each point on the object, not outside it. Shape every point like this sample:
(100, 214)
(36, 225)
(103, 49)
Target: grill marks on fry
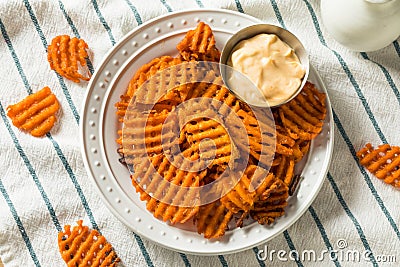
(383, 162)
(84, 247)
(65, 55)
(35, 113)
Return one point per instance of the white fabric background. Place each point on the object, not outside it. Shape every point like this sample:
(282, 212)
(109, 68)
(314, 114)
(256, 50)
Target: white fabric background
(346, 208)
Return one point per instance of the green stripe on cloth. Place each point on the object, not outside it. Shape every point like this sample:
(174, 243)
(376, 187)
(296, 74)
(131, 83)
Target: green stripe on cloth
(103, 21)
(321, 229)
(292, 247)
(348, 73)
(75, 31)
(44, 42)
(351, 216)
(135, 12)
(20, 225)
(370, 115)
(167, 6)
(30, 168)
(387, 76)
(365, 175)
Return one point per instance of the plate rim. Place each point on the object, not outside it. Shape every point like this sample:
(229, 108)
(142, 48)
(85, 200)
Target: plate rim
(90, 173)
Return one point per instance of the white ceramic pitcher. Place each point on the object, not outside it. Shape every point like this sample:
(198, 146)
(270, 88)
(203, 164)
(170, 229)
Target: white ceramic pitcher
(362, 25)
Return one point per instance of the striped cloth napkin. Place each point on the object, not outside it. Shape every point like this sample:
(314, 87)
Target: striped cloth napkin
(44, 185)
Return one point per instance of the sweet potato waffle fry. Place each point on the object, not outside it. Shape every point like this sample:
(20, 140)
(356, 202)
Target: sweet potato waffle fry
(165, 85)
(285, 169)
(168, 184)
(270, 203)
(261, 193)
(67, 55)
(300, 149)
(163, 172)
(161, 86)
(143, 74)
(212, 220)
(215, 89)
(383, 162)
(35, 113)
(147, 141)
(297, 123)
(304, 115)
(196, 130)
(258, 136)
(241, 198)
(199, 45)
(84, 247)
(147, 70)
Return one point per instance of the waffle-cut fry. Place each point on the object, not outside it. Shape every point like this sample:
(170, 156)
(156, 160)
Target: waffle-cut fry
(141, 76)
(252, 187)
(122, 106)
(300, 149)
(203, 127)
(271, 203)
(213, 219)
(243, 216)
(285, 170)
(138, 142)
(283, 138)
(84, 247)
(383, 162)
(225, 102)
(262, 190)
(199, 45)
(304, 115)
(169, 84)
(284, 142)
(277, 160)
(147, 70)
(259, 141)
(282, 131)
(199, 129)
(240, 198)
(65, 54)
(35, 113)
(163, 192)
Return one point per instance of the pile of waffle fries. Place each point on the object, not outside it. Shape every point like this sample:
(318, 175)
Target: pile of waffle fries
(166, 166)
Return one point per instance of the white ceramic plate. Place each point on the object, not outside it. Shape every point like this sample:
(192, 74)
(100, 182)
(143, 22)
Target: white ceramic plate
(98, 133)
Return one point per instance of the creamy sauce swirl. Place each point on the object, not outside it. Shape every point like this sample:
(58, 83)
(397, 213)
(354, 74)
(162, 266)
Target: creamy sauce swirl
(270, 64)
